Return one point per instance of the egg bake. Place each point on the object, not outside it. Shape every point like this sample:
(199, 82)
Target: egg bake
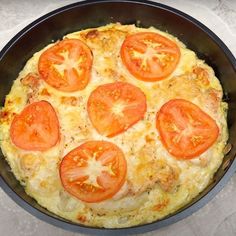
(114, 126)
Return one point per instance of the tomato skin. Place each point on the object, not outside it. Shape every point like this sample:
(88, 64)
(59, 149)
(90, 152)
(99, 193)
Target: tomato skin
(74, 171)
(115, 107)
(36, 128)
(145, 62)
(66, 66)
(185, 130)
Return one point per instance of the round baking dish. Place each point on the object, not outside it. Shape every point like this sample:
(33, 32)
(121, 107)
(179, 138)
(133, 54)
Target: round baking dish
(81, 15)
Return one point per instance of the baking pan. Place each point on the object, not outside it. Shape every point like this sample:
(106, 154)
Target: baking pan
(82, 15)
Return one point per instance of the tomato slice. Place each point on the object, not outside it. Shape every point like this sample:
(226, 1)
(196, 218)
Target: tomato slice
(36, 128)
(185, 130)
(66, 65)
(149, 56)
(94, 171)
(115, 107)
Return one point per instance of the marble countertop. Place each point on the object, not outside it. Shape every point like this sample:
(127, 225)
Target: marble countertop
(218, 217)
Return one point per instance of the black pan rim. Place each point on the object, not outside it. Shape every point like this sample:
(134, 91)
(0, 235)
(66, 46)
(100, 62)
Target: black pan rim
(140, 228)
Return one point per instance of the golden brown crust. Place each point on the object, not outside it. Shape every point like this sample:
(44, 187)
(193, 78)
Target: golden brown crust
(152, 170)
(161, 205)
(30, 163)
(32, 82)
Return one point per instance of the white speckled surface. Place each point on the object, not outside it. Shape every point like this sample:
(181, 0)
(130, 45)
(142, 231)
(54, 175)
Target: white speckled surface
(218, 217)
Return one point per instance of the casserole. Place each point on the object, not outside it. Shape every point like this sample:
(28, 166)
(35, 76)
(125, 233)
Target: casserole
(210, 49)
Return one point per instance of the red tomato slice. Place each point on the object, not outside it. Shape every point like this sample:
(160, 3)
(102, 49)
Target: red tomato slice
(66, 65)
(185, 130)
(94, 171)
(149, 56)
(36, 128)
(113, 108)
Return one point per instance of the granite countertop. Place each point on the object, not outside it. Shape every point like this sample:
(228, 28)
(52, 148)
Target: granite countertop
(218, 217)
